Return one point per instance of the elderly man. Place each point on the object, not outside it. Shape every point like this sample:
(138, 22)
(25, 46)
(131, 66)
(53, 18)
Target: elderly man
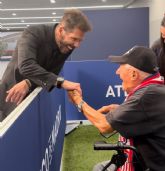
(141, 117)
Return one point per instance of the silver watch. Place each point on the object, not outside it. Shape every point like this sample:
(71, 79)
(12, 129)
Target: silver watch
(79, 106)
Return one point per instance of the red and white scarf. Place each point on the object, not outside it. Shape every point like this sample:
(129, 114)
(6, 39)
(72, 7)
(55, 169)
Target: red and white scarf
(154, 79)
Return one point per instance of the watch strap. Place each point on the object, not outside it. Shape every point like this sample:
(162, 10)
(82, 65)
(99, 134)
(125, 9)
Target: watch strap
(79, 106)
(59, 82)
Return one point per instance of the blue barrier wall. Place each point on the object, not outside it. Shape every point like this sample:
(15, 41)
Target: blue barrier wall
(114, 31)
(33, 139)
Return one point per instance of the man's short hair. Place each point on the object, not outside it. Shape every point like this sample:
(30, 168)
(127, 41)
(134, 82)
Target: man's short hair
(75, 18)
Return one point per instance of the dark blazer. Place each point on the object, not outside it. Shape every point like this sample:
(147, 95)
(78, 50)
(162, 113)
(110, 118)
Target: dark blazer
(37, 58)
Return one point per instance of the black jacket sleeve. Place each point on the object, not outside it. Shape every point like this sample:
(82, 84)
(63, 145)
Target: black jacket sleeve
(28, 63)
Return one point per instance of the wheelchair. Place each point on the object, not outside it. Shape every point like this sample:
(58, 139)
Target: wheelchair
(118, 159)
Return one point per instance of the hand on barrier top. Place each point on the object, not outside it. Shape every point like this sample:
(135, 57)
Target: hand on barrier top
(18, 92)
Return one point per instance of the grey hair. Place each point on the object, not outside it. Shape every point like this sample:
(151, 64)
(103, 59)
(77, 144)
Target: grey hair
(143, 74)
(75, 18)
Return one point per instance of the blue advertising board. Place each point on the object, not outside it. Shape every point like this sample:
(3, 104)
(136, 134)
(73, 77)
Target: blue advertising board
(114, 31)
(33, 134)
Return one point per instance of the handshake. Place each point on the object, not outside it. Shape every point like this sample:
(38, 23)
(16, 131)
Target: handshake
(76, 98)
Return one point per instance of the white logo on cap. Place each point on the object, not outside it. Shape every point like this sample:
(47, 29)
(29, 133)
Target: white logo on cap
(129, 51)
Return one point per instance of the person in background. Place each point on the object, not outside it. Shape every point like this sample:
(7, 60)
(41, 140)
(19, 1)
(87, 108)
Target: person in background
(159, 48)
(140, 119)
(39, 57)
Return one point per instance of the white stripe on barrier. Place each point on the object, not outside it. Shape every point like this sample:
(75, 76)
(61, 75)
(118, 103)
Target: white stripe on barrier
(10, 119)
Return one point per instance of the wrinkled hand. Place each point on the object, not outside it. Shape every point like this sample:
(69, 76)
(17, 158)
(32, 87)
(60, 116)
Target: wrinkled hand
(106, 109)
(68, 85)
(74, 96)
(17, 93)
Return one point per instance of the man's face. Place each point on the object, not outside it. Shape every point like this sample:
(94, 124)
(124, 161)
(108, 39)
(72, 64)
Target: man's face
(162, 30)
(124, 72)
(69, 40)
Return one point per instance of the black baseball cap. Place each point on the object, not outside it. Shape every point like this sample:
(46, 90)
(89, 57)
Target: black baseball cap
(139, 57)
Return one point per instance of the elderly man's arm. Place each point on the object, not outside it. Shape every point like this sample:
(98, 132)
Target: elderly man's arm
(97, 118)
(106, 109)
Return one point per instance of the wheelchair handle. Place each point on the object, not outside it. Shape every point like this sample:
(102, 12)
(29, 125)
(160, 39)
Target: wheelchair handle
(119, 147)
(107, 146)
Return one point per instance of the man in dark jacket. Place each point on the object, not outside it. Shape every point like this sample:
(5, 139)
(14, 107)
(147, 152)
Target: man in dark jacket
(38, 58)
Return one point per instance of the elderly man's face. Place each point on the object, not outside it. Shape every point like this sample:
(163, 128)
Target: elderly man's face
(125, 74)
(70, 40)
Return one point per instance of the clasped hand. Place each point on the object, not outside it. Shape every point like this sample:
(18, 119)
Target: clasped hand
(74, 96)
